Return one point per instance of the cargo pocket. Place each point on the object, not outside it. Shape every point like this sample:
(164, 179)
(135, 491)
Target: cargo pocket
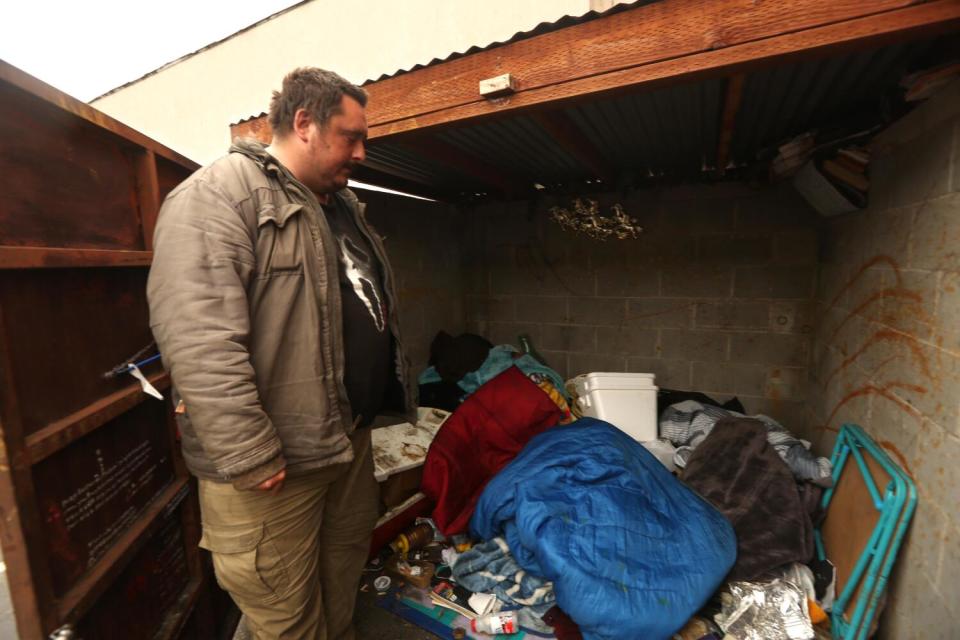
(246, 562)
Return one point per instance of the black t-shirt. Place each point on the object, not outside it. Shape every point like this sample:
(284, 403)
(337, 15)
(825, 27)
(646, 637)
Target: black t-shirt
(366, 334)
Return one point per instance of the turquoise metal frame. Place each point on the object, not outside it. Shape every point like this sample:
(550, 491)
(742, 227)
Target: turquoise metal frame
(896, 503)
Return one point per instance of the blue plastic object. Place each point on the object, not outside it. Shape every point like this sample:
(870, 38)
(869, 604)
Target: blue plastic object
(853, 612)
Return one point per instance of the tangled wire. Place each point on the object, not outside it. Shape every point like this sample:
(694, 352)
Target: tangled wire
(584, 217)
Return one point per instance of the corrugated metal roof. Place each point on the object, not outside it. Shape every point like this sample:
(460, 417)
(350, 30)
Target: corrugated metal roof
(540, 29)
(670, 133)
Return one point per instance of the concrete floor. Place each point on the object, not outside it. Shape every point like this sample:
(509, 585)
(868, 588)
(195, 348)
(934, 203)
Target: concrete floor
(375, 623)
(371, 621)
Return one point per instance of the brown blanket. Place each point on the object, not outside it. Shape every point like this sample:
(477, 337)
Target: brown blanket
(739, 473)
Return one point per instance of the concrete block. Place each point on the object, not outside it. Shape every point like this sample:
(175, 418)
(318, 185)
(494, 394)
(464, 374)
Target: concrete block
(669, 374)
(887, 233)
(933, 464)
(766, 348)
(928, 379)
(597, 311)
(537, 279)
(629, 282)
(915, 610)
(792, 316)
(700, 215)
(507, 332)
(556, 360)
(936, 235)
(774, 282)
(739, 314)
(734, 248)
(661, 312)
(581, 363)
(542, 309)
(776, 209)
(947, 312)
(909, 300)
(706, 346)
(790, 413)
(655, 250)
(786, 383)
(730, 378)
(796, 247)
(914, 171)
(632, 341)
(500, 308)
(569, 338)
(697, 281)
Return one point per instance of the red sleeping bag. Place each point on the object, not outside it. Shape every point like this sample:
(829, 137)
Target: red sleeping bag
(485, 433)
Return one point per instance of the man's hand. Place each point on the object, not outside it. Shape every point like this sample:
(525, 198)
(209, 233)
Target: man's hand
(274, 483)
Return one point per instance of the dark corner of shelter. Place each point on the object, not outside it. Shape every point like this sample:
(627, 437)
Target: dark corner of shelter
(679, 291)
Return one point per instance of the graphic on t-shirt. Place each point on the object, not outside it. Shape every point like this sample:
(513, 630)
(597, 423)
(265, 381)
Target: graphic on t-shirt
(362, 274)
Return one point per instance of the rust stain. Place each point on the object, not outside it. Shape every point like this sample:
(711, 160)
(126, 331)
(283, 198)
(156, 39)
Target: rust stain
(884, 392)
(887, 335)
(902, 459)
(892, 292)
(872, 262)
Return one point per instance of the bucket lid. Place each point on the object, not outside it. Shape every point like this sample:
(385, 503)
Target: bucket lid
(614, 380)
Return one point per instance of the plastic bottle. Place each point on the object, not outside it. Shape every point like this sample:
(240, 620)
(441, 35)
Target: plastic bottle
(413, 538)
(503, 622)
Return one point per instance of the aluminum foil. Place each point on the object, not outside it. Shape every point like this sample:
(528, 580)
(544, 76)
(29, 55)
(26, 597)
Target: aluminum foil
(775, 610)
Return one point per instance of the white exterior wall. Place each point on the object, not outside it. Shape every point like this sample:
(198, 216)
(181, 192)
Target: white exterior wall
(189, 106)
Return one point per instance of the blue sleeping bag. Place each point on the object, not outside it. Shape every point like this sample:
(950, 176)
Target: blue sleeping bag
(632, 552)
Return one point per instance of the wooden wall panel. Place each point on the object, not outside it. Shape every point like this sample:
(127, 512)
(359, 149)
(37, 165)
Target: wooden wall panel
(66, 327)
(91, 491)
(101, 523)
(145, 593)
(169, 175)
(65, 182)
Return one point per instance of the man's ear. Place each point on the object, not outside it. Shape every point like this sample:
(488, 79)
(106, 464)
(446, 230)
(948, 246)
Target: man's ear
(301, 124)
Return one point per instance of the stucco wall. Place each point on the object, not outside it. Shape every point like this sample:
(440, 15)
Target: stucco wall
(188, 106)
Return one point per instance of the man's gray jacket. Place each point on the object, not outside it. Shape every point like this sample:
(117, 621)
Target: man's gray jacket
(245, 306)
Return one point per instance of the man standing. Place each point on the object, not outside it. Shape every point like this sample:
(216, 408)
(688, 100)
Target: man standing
(273, 305)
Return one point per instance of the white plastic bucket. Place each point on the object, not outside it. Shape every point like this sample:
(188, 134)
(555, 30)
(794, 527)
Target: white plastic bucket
(628, 401)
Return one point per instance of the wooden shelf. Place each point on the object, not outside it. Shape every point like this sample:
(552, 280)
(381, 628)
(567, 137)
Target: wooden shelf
(180, 611)
(61, 433)
(52, 258)
(82, 595)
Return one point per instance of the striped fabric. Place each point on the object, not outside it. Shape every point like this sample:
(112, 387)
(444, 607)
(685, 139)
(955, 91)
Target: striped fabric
(686, 424)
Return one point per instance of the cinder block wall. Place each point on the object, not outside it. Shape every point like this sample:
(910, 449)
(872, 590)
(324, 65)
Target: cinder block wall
(422, 239)
(886, 351)
(716, 295)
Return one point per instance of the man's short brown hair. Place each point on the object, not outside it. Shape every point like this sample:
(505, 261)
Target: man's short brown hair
(318, 91)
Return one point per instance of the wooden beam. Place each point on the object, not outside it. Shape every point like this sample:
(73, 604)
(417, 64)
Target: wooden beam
(469, 165)
(23, 81)
(53, 437)
(733, 96)
(569, 136)
(27, 569)
(148, 194)
(54, 257)
(652, 45)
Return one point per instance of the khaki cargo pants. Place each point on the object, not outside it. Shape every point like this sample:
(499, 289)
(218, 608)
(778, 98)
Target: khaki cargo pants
(292, 561)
